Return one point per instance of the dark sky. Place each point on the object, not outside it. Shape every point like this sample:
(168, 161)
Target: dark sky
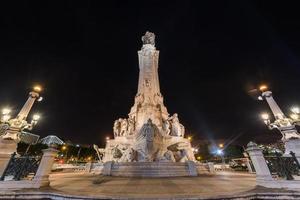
(211, 54)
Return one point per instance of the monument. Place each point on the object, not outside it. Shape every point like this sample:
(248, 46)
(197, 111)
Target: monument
(149, 135)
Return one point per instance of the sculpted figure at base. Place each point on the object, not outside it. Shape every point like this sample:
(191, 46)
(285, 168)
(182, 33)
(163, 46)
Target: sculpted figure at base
(177, 128)
(147, 142)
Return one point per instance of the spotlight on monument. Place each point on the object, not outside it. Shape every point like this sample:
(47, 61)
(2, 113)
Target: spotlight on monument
(263, 88)
(189, 138)
(295, 110)
(107, 138)
(6, 111)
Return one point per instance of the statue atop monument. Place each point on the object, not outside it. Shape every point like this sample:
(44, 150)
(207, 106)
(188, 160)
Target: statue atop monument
(149, 38)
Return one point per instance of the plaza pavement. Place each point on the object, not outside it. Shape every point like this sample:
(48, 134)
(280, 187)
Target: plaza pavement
(206, 186)
(223, 185)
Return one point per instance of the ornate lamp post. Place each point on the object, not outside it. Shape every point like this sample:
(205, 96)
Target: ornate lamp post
(286, 125)
(11, 128)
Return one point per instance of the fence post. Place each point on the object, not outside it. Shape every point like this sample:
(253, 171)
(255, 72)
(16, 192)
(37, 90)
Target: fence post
(259, 162)
(7, 148)
(41, 177)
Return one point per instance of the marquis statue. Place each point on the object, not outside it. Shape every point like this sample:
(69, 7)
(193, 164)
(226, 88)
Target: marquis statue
(149, 38)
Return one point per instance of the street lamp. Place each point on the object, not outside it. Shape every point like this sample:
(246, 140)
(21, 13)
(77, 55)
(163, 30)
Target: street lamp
(286, 125)
(221, 154)
(16, 125)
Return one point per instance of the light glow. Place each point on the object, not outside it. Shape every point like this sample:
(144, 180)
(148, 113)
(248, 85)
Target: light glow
(5, 117)
(36, 117)
(6, 111)
(37, 88)
(265, 116)
(263, 88)
(221, 145)
(219, 151)
(295, 110)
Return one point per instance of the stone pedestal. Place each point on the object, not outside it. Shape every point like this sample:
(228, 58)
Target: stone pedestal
(259, 162)
(294, 146)
(7, 148)
(41, 177)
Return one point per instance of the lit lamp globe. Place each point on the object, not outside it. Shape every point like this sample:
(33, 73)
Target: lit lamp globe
(37, 88)
(36, 117)
(265, 117)
(5, 111)
(263, 88)
(295, 110)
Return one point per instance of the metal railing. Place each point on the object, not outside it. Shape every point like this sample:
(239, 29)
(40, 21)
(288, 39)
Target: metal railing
(18, 168)
(283, 167)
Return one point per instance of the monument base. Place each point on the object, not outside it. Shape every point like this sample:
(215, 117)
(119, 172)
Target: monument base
(294, 146)
(150, 169)
(7, 148)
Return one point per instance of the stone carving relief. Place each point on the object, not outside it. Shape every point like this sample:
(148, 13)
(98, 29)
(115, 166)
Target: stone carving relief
(147, 142)
(124, 127)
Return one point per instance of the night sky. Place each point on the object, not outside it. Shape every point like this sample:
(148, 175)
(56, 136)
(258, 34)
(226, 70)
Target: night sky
(211, 54)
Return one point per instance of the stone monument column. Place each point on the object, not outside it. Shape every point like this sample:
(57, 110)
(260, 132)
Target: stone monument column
(148, 101)
(28, 105)
(273, 105)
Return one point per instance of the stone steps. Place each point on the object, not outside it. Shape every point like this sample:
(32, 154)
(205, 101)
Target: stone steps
(150, 169)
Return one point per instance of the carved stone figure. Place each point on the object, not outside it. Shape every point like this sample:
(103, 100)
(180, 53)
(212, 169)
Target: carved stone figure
(129, 155)
(166, 127)
(177, 128)
(131, 126)
(124, 125)
(117, 128)
(169, 156)
(147, 142)
(149, 38)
